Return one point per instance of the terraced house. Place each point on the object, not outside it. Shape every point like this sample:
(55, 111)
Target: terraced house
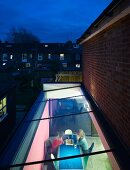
(88, 121)
(39, 55)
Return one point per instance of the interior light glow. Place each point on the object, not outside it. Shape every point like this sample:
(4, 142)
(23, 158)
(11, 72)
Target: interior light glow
(61, 55)
(49, 56)
(11, 56)
(77, 65)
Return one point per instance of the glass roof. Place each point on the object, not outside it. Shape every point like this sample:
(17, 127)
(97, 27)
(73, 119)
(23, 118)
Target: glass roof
(65, 112)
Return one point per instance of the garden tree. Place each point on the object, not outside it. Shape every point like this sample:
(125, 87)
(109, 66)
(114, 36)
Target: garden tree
(21, 35)
(69, 44)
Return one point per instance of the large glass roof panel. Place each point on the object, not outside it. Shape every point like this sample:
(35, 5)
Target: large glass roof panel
(65, 113)
(54, 91)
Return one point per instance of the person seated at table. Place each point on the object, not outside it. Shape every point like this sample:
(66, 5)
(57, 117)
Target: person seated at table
(48, 165)
(56, 141)
(82, 142)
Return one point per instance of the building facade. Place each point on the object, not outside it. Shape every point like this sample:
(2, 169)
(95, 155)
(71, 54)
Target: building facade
(39, 55)
(106, 67)
(7, 111)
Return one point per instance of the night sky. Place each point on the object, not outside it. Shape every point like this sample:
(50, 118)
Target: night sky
(50, 20)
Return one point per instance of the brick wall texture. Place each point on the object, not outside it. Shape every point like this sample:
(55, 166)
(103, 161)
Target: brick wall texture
(106, 75)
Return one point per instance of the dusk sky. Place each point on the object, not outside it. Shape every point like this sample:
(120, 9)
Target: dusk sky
(50, 20)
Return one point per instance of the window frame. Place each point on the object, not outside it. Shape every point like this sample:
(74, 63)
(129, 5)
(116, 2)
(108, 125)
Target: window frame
(4, 106)
(49, 56)
(40, 57)
(5, 57)
(62, 56)
(24, 58)
(65, 65)
(28, 65)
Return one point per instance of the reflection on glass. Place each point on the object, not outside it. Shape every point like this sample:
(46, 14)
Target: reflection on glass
(64, 90)
(71, 114)
(74, 115)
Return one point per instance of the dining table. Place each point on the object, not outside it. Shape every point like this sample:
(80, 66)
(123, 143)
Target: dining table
(69, 164)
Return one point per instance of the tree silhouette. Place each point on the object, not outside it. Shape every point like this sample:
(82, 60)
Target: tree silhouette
(69, 44)
(21, 35)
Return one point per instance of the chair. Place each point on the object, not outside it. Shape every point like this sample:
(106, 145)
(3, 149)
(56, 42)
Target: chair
(68, 132)
(47, 151)
(87, 157)
(47, 146)
(68, 139)
(55, 163)
(91, 148)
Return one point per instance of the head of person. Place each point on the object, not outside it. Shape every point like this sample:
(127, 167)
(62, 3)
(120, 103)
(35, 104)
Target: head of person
(60, 134)
(80, 133)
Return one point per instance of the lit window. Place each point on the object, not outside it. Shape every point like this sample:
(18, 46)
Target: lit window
(24, 57)
(4, 64)
(3, 108)
(61, 56)
(40, 57)
(46, 45)
(77, 65)
(27, 64)
(30, 55)
(49, 56)
(5, 56)
(11, 56)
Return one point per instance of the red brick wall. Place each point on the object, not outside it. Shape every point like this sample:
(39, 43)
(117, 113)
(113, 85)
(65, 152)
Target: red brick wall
(106, 74)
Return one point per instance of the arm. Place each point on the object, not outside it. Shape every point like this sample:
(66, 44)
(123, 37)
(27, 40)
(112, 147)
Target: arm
(83, 143)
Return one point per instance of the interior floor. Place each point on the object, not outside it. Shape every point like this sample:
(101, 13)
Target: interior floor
(98, 162)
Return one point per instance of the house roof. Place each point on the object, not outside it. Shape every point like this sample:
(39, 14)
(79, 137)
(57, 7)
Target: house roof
(37, 47)
(108, 12)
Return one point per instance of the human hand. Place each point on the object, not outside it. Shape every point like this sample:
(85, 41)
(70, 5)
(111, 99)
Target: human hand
(78, 137)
